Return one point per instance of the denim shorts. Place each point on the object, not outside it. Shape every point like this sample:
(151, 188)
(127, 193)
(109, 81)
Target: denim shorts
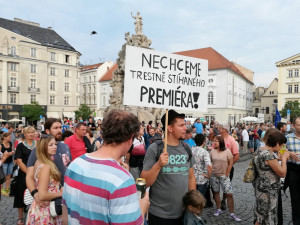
(225, 183)
(8, 168)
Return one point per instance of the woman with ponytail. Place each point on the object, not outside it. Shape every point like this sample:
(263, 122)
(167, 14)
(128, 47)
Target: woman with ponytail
(47, 181)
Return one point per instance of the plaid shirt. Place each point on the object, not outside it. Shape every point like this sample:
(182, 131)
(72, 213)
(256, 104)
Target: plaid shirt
(293, 145)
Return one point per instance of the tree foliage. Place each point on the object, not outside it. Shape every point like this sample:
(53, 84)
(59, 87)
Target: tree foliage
(83, 111)
(293, 106)
(33, 111)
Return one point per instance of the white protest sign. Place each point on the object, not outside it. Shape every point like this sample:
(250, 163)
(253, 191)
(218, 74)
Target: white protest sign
(162, 80)
(260, 118)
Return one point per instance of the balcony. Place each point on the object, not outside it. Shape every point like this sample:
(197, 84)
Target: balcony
(33, 90)
(13, 89)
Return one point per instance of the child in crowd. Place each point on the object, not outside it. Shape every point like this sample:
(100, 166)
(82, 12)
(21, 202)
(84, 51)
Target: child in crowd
(193, 203)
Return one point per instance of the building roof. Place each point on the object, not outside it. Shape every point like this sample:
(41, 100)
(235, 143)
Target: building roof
(109, 74)
(45, 36)
(215, 59)
(91, 67)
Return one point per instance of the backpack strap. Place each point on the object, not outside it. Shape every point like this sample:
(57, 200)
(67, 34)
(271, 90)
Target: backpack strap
(160, 148)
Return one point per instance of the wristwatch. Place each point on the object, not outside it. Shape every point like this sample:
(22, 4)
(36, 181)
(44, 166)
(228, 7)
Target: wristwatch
(33, 192)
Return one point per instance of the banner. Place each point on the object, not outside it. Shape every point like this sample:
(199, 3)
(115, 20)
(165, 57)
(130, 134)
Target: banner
(161, 80)
(260, 118)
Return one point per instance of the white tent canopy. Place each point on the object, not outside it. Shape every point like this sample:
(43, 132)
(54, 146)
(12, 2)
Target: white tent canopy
(249, 119)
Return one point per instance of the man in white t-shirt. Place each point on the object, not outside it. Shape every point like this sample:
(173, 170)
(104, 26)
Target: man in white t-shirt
(245, 139)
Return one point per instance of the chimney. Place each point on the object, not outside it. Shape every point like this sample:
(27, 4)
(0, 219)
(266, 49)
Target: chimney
(49, 28)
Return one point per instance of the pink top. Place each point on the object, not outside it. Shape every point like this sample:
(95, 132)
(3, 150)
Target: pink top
(220, 161)
(231, 144)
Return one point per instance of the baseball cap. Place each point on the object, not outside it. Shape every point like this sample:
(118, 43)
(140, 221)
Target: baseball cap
(172, 115)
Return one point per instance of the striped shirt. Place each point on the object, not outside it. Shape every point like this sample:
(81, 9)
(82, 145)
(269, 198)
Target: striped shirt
(293, 145)
(100, 191)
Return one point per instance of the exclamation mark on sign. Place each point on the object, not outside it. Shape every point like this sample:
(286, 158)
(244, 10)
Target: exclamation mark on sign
(196, 97)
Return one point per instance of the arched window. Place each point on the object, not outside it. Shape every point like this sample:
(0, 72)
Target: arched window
(13, 50)
(210, 98)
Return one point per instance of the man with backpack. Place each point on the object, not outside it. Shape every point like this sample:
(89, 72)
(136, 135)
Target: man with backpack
(170, 174)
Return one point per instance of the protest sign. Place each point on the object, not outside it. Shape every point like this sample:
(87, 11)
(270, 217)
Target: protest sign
(162, 80)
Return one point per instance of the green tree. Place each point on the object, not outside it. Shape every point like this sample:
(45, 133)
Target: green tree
(33, 111)
(293, 106)
(83, 111)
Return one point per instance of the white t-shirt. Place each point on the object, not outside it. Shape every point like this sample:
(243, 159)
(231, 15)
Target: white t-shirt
(245, 135)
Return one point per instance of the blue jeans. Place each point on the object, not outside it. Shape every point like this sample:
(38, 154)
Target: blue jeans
(202, 188)
(8, 168)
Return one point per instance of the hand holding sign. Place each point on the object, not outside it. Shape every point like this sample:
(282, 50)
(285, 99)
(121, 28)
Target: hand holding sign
(163, 159)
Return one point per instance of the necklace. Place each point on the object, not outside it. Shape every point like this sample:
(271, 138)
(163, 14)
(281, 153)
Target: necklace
(29, 146)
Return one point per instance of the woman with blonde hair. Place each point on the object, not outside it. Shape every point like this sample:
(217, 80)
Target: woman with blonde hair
(47, 180)
(22, 154)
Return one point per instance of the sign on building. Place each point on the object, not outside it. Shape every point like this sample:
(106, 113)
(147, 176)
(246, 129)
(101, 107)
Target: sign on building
(260, 118)
(161, 80)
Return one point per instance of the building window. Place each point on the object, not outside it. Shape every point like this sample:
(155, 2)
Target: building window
(13, 66)
(90, 89)
(84, 90)
(33, 53)
(13, 81)
(296, 72)
(271, 92)
(66, 100)
(290, 73)
(67, 59)
(256, 110)
(275, 101)
(290, 88)
(267, 110)
(104, 101)
(94, 78)
(32, 83)
(52, 100)
(52, 85)
(67, 87)
(13, 98)
(33, 68)
(67, 73)
(53, 56)
(52, 71)
(90, 79)
(94, 89)
(32, 98)
(210, 98)
(13, 50)
(296, 88)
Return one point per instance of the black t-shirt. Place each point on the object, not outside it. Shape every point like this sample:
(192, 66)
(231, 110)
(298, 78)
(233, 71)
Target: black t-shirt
(23, 153)
(92, 126)
(62, 159)
(9, 149)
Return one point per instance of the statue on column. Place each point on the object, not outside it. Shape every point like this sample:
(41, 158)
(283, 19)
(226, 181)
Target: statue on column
(138, 23)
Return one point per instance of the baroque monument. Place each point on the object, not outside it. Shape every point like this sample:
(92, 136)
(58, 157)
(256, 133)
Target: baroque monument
(116, 98)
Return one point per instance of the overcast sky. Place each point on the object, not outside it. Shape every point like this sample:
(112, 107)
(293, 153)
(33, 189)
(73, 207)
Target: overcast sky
(254, 33)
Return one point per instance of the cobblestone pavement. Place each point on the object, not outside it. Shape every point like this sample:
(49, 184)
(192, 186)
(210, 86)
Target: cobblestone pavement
(243, 199)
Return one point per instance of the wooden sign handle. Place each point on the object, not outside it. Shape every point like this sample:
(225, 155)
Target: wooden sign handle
(166, 130)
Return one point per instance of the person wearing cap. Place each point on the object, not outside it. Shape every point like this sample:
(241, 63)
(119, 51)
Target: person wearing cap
(170, 174)
(188, 138)
(232, 145)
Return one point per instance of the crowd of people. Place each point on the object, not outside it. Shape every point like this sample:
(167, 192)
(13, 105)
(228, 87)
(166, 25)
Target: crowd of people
(84, 172)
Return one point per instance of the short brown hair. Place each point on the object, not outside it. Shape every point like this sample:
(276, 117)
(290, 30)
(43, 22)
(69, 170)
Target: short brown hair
(193, 198)
(119, 126)
(89, 132)
(276, 138)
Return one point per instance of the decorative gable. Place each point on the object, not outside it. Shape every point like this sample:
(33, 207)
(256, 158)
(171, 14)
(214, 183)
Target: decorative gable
(293, 60)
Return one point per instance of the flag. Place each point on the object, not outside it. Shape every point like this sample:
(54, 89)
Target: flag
(277, 117)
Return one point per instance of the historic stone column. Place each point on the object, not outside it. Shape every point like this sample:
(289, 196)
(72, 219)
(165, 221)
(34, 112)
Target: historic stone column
(116, 98)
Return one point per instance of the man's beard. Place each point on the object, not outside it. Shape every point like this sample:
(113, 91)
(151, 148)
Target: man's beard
(58, 137)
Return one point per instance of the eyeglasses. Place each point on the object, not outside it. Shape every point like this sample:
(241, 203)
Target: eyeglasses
(215, 141)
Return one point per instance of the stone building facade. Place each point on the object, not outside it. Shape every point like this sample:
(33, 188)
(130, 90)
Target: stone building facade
(91, 88)
(288, 80)
(36, 64)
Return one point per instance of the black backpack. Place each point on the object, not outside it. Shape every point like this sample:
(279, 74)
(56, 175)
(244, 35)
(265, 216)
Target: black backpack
(160, 148)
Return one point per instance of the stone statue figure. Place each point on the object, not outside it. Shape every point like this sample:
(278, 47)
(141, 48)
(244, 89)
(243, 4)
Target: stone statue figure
(138, 23)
